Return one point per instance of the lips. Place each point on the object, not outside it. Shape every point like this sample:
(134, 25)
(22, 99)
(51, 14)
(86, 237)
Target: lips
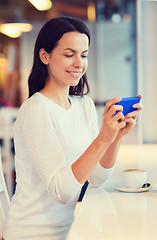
(75, 74)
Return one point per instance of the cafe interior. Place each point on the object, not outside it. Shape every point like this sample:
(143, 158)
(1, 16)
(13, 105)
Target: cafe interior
(122, 63)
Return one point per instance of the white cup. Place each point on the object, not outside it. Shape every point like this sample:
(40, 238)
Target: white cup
(134, 178)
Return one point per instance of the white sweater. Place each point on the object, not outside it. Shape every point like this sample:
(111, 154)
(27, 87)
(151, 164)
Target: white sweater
(48, 139)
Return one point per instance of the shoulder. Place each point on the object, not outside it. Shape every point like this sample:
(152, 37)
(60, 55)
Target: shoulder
(33, 112)
(34, 101)
(34, 106)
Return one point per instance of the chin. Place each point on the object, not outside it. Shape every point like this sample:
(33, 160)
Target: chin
(74, 83)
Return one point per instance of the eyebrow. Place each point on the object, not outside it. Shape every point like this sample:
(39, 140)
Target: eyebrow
(74, 50)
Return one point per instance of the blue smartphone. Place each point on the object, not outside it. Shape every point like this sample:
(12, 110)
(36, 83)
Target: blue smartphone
(127, 104)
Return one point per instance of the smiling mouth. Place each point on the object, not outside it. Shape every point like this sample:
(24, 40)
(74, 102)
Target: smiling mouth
(75, 74)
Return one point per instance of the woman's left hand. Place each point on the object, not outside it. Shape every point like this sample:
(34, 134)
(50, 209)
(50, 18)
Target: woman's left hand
(130, 119)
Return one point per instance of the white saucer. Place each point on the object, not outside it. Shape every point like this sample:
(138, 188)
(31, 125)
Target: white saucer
(133, 190)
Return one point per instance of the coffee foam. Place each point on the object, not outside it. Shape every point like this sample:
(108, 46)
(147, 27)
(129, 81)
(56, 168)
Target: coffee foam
(134, 170)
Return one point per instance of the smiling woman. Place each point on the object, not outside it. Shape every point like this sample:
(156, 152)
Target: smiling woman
(45, 46)
(57, 142)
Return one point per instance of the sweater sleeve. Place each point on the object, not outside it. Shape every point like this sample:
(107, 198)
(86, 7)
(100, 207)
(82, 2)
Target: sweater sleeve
(100, 175)
(45, 152)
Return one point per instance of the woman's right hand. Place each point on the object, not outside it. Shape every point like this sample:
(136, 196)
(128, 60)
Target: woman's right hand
(112, 122)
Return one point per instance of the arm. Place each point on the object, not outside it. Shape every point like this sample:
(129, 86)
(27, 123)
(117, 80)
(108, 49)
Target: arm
(111, 124)
(105, 146)
(109, 158)
(105, 166)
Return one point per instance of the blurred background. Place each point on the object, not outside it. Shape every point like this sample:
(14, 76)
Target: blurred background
(122, 58)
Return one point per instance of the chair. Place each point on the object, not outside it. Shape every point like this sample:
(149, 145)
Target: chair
(7, 118)
(4, 199)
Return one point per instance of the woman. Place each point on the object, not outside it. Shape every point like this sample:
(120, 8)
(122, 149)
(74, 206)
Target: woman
(58, 145)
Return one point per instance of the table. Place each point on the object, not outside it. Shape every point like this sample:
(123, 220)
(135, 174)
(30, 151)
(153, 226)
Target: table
(107, 214)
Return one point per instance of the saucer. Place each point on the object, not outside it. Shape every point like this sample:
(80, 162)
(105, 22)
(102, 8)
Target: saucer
(133, 190)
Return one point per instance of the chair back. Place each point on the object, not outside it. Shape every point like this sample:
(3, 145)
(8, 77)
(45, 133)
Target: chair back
(4, 199)
(7, 118)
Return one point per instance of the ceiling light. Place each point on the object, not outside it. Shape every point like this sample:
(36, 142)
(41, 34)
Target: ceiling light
(22, 27)
(41, 5)
(10, 31)
(15, 26)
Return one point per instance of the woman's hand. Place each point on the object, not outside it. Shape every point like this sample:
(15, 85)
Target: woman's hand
(112, 123)
(130, 119)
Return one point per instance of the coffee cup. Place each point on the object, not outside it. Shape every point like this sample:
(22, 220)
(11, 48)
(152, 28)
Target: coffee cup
(134, 178)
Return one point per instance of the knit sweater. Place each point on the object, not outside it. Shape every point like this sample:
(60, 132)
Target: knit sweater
(48, 140)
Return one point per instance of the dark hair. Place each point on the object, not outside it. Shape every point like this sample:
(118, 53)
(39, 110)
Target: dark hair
(48, 38)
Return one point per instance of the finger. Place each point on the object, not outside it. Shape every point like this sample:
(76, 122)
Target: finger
(111, 102)
(131, 121)
(133, 115)
(138, 106)
(115, 109)
(120, 125)
(119, 117)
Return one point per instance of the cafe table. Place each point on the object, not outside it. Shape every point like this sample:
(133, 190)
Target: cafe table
(109, 214)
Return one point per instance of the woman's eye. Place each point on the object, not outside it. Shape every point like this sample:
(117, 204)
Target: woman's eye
(84, 56)
(68, 55)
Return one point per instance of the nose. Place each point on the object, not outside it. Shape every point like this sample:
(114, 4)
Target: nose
(78, 62)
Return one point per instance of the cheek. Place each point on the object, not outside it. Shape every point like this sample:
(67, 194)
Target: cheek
(58, 66)
(63, 64)
(85, 66)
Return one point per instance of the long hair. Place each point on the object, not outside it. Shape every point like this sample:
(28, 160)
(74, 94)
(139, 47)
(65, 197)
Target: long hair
(48, 38)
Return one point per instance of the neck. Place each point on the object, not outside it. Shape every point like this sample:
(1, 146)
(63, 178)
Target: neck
(57, 95)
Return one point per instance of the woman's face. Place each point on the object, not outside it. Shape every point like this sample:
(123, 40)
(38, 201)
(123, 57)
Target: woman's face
(68, 61)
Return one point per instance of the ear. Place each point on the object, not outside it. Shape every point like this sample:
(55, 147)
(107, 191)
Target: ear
(43, 56)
